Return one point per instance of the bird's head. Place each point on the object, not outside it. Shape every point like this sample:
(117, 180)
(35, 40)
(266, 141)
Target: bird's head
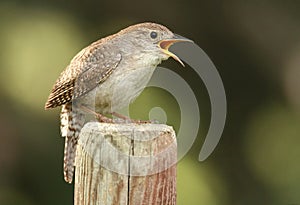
(151, 40)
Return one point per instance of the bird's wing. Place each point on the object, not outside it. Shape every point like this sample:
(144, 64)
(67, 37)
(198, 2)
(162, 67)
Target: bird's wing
(95, 75)
(88, 68)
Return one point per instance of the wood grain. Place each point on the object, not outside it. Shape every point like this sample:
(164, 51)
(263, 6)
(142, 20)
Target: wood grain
(126, 164)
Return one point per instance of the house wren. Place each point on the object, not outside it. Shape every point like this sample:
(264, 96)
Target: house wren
(110, 73)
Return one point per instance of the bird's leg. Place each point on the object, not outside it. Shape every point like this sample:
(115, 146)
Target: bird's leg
(127, 119)
(99, 117)
(120, 116)
(102, 118)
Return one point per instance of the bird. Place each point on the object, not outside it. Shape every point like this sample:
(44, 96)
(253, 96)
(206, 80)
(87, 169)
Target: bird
(106, 76)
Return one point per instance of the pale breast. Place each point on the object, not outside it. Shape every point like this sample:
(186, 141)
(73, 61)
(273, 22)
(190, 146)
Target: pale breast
(124, 87)
(119, 89)
(124, 84)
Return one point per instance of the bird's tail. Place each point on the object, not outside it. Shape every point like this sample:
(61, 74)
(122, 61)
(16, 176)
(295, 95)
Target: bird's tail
(69, 158)
(71, 124)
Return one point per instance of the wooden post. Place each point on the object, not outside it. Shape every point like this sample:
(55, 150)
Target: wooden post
(126, 164)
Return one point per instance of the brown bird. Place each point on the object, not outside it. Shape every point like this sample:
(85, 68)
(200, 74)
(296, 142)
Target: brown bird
(106, 76)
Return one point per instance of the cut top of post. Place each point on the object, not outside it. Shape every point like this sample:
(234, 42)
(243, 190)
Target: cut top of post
(131, 164)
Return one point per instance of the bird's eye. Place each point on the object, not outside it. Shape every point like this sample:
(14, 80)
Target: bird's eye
(153, 34)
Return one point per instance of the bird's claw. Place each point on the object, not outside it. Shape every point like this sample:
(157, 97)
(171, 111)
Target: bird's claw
(124, 119)
(102, 118)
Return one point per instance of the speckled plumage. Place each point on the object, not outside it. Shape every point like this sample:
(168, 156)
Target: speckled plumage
(105, 76)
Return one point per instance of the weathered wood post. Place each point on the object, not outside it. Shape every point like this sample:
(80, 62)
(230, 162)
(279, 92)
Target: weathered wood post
(126, 164)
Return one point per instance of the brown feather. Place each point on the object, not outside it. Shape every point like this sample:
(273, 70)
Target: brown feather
(87, 69)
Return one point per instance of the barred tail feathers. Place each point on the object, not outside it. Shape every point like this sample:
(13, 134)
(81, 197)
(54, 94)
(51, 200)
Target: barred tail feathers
(71, 124)
(69, 158)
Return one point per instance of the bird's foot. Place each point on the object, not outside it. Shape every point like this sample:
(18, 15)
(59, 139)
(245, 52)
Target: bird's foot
(99, 117)
(124, 119)
(102, 118)
(120, 118)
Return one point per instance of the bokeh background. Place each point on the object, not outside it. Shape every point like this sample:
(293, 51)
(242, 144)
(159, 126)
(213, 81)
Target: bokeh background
(254, 44)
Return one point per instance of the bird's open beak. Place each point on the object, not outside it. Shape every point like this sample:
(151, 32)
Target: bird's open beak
(166, 43)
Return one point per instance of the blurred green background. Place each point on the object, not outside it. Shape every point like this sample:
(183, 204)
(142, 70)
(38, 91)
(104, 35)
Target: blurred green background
(254, 44)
